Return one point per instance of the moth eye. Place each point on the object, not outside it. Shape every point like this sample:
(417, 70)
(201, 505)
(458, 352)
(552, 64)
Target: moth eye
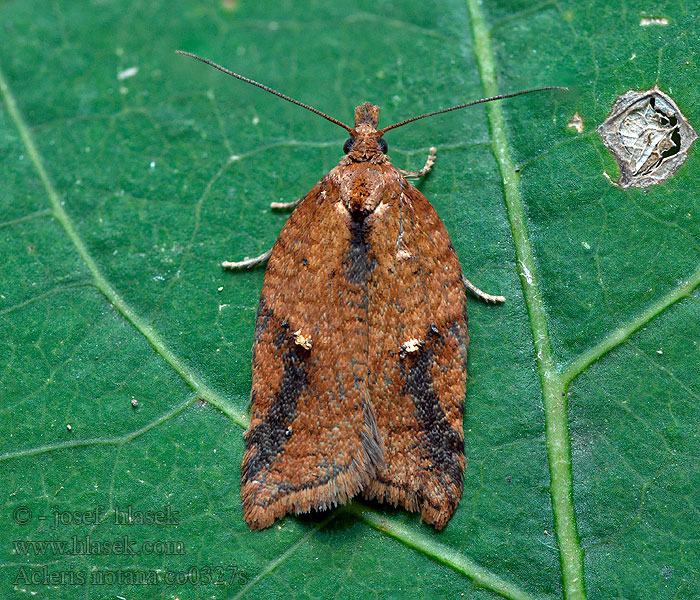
(383, 146)
(348, 145)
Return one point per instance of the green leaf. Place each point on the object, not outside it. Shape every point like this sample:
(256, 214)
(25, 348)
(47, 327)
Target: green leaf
(129, 173)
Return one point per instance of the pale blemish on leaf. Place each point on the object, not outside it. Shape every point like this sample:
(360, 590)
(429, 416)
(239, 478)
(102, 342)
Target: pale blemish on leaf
(126, 73)
(646, 21)
(576, 123)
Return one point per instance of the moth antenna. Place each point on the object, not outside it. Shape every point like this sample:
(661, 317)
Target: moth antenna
(267, 89)
(381, 132)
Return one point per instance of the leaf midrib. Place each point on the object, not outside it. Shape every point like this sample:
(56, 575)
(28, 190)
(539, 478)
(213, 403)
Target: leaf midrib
(553, 389)
(554, 380)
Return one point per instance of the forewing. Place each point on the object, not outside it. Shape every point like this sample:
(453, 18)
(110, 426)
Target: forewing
(312, 441)
(418, 350)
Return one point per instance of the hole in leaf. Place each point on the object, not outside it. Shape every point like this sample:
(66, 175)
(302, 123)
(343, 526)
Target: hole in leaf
(648, 136)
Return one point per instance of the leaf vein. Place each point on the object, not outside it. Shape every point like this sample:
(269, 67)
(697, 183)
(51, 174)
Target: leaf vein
(553, 391)
(438, 552)
(622, 333)
(111, 441)
(111, 294)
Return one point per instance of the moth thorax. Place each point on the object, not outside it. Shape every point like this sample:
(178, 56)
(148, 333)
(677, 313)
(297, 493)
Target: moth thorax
(362, 190)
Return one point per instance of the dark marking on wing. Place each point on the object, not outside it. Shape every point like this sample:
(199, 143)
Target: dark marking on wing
(358, 262)
(442, 443)
(262, 319)
(282, 335)
(270, 436)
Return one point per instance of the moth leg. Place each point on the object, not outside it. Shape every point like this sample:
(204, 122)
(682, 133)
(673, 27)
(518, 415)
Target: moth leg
(481, 295)
(248, 262)
(265, 256)
(425, 170)
(284, 205)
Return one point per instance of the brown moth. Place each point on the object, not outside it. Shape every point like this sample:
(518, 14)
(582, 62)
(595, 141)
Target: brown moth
(359, 361)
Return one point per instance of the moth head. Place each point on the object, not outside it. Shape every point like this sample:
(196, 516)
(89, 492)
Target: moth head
(365, 142)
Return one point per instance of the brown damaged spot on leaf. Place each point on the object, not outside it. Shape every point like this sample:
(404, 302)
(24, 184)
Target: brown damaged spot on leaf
(648, 136)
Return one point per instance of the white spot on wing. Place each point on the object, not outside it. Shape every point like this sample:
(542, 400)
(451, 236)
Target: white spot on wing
(302, 340)
(412, 345)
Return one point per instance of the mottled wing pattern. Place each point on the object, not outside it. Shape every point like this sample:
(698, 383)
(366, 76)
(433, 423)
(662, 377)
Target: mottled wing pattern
(312, 441)
(418, 350)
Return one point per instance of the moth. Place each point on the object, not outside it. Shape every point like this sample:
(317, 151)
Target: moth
(360, 353)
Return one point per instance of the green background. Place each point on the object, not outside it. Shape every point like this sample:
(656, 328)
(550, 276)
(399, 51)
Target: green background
(119, 197)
